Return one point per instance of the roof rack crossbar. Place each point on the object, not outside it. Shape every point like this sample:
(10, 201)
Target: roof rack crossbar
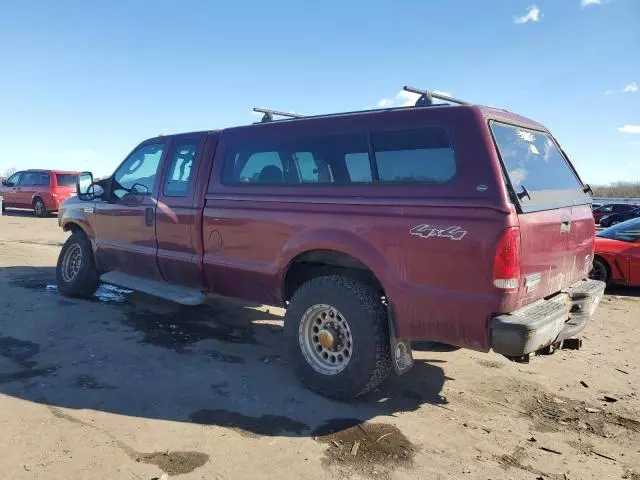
(268, 114)
(426, 97)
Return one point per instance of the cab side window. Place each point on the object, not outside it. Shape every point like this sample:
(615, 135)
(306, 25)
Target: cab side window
(137, 175)
(180, 169)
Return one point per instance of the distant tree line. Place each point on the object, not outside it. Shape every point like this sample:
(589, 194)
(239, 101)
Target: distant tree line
(7, 173)
(617, 189)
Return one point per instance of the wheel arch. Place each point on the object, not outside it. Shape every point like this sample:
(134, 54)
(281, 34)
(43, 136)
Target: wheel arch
(325, 252)
(76, 227)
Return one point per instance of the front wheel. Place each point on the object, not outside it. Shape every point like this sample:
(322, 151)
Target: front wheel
(338, 334)
(76, 272)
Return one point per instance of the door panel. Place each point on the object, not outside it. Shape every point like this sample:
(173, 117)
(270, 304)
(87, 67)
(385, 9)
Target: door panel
(10, 192)
(178, 213)
(634, 263)
(125, 224)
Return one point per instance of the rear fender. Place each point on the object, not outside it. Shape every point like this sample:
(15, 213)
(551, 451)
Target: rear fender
(338, 241)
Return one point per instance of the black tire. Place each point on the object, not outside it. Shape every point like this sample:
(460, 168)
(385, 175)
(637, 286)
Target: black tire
(600, 271)
(85, 281)
(361, 306)
(39, 208)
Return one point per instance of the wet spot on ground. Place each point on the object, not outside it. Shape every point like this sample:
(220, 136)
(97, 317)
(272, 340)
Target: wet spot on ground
(223, 357)
(175, 463)
(220, 389)
(248, 426)
(179, 328)
(105, 293)
(34, 280)
(26, 374)
(89, 382)
(19, 351)
(371, 448)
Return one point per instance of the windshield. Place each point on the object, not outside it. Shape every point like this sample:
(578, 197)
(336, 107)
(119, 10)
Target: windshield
(628, 231)
(537, 168)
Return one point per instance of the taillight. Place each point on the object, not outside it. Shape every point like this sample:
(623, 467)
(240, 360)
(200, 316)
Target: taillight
(506, 265)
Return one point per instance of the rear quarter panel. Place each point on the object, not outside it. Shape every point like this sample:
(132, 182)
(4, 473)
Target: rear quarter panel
(440, 288)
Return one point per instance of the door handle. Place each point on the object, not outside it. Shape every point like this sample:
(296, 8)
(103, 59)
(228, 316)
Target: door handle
(565, 226)
(148, 216)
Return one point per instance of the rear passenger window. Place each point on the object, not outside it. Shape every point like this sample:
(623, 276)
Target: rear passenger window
(262, 167)
(422, 155)
(180, 168)
(330, 159)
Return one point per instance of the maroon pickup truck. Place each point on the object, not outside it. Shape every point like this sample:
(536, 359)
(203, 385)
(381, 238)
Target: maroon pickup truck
(454, 223)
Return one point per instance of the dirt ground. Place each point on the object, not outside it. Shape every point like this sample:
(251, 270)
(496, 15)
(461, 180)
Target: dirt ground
(125, 386)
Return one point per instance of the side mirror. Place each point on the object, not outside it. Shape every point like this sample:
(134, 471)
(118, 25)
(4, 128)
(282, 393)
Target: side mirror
(5, 183)
(84, 186)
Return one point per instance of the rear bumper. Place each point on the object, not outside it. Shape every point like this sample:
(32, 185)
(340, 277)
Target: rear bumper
(545, 322)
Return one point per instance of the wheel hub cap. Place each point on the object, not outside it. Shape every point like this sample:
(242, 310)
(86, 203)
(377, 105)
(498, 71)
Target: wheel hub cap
(325, 339)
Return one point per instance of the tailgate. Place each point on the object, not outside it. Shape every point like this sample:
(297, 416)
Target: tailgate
(555, 218)
(556, 249)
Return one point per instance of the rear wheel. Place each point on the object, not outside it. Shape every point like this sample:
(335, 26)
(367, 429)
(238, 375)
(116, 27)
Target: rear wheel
(600, 271)
(39, 208)
(76, 273)
(338, 335)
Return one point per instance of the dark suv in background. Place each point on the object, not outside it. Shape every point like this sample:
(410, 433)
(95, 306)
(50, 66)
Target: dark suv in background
(40, 190)
(610, 209)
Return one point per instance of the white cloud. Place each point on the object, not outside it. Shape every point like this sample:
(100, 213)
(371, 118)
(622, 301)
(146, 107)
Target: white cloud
(405, 99)
(586, 3)
(533, 15)
(629, 129)
(632, 87)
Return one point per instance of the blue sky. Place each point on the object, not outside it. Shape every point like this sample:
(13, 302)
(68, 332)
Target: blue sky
(82, 83)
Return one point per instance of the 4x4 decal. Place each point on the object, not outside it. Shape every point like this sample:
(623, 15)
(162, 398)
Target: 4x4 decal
(454, 232)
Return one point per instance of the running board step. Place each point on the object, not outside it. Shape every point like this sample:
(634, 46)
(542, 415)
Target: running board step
(156, 288)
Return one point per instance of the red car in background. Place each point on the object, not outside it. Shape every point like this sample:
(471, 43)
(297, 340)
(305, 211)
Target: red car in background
(617, 254)
(40, 190)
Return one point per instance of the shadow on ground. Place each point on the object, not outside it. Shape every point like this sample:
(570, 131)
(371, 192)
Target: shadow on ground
(11, 212)
(223, 363)
(623, 291)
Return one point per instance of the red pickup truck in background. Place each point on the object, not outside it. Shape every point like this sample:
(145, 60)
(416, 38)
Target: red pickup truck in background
(458, 223)
(40, 190)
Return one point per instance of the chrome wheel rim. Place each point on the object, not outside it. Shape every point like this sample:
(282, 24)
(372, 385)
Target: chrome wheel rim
(71, 263)
(325, 339)
(598, 272)
(39, 207)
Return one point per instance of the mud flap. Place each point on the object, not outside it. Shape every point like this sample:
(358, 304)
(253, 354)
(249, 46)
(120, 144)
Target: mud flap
(401, 352)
